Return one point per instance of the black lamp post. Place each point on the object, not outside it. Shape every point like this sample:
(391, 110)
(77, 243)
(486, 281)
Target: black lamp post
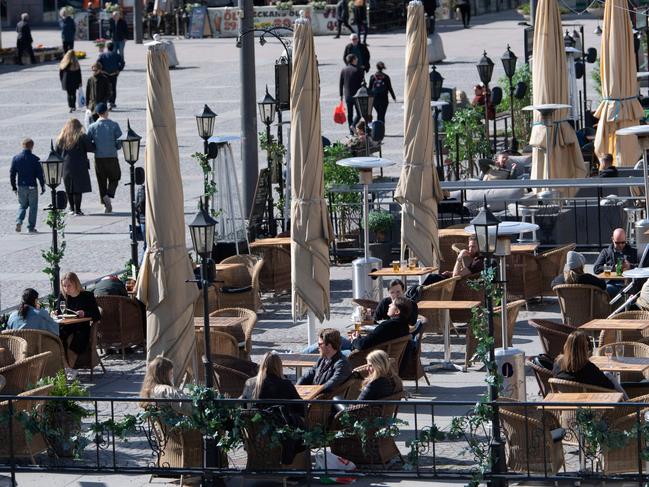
(486, 230)
(267, 109)
(205, 125)
(131, 150)
(509, 64)
(53, 171)
(436, 83)
(485, 70)
(364, 101)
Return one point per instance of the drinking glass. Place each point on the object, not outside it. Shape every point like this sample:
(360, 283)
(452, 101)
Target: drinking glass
(396, 265)
(607, 270)
(357, 326)
(619, 351)
(608, 351)
(62, 307)
(412, 263)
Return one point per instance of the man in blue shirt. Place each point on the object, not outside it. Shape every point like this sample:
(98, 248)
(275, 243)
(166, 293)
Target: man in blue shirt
(112, 64)
(104, 134)
(25, 171)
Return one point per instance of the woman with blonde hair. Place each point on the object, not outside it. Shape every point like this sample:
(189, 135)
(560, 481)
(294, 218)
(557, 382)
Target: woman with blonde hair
(158, 384)
(574, 364)
(381, 381)
(70, 76)
(73, 145)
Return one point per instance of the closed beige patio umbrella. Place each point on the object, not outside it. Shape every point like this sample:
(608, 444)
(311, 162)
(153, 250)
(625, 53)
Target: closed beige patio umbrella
(161, 282)
(418, 190)
(550, 86)
(619, 107)
(309, 217)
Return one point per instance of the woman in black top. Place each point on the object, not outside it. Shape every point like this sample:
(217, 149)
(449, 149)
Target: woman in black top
(70, 76)
(76, 337)
(573, 273)
(382, 381)
(381, 86)
(73, 145)
(574, 364)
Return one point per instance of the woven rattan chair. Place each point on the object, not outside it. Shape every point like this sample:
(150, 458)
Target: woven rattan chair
(609, 336)
(625, 458)
(394, 349)
(16, 346)
(90, 358)
(212, 301)
(524, 278)
(552, 338)
(551, 263)
(24, 373)
(542, 376)
(512, 315)
(240, 287)
(246, 327)
(275, 275)
(25, 444)
(377, 450)
(121, 323)
(581, 303)
(321, 414)
(413, 369)
(220, 341)
(39, 341)
(463, 292)
(229, 381)
(439, 291)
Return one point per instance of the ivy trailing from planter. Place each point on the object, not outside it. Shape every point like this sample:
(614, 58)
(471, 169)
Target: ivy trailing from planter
(276, 153)
(56, 221)
(209, 186)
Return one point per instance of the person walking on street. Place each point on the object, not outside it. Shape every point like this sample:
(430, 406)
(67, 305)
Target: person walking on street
(118, 33)
(73, 145)
(25, 172)
(359, 50)
(465, 11)
(351, 79)
(68, 30)
(97, 89)
(112, 64)
(380, 86)
(70, 76)
(24, 39)
(104, 134)
(360, 18)
(342, 17)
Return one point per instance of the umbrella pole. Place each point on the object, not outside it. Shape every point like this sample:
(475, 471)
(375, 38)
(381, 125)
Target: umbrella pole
(311, 321)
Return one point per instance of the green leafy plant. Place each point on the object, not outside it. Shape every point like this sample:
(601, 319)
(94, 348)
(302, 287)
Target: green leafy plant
(209, 186)
(276, 153)
(287, 5)
(190, 6)
(465, 136)
(596, 76)
(56, 221)
(596, 436)
(380, 222)
(346, 205)
(522, 124)
(318, 4)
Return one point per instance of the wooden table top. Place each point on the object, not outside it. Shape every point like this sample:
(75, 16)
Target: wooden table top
(225, 267)
(299, 359)
(623, 364)
(224, 321)
(524, 247)
(608, 324)
(453, 232)
(612, 276)
(309, 392)
(447, 304)
(3, 382)
(74, 321)
(403, 271)
(267, 242)
(590, 397)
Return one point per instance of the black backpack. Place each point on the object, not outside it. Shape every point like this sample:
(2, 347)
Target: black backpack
(379, 86)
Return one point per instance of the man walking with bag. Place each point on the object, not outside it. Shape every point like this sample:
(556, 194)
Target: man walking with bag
(25, 172)
(104, 134)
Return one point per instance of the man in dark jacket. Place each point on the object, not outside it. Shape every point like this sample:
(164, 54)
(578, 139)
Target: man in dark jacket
(333, 367)
(351, 79)
(394, 327)
(24, 39)
(68, 30)
(110, 286)
(395, 290)
(342, 17)
(606, 167)
(617, 250)
(359, 50)
(112, 64)
(118, 33)
(97, 89)
(25, 171)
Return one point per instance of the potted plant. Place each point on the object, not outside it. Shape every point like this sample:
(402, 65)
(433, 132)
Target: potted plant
(380, 223)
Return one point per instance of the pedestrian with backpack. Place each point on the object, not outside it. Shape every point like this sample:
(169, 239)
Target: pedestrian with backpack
(381, 86)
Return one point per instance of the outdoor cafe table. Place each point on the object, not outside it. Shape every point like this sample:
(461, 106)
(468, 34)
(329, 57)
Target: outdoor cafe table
(612, 276)
(578, 397)
(446, 364)
(73, 321)
(615, 325)
(298, 361)
(403, 272)
(228, 324)
(622, 364)
(309, 392)
(524, 248)
(271, 242)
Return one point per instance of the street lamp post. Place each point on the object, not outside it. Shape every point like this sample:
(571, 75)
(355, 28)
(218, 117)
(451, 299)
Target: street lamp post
(485, 70)
(267, 108)
(509, 64)
(486, 230)
(53, 171)
(364, 102)
(131, 150)
(205, 125)
(436, 83)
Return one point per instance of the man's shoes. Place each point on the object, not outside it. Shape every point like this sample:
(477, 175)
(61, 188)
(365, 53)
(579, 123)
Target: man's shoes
(19, 227)
(71, 212)
(79, 213)
(336, 37)
(71, 110)
(108, 204)
(33, 230)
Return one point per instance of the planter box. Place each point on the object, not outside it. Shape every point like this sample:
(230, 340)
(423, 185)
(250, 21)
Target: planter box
(42, 55)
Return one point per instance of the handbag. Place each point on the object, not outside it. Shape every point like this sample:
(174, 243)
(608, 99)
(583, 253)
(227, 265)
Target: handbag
(339, 114)
(81, 98)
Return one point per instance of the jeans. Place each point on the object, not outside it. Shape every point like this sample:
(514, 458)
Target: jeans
(613, 289)
(119, 48)
(27, 198)
(112, 79)
(345, 346)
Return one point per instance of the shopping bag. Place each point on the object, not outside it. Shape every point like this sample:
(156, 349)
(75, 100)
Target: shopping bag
(87, 119)
(339, 114)
(81, 98)
(334, 463)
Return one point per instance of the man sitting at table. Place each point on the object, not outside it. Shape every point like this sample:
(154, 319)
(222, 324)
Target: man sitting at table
(110, 286)
(332, 368)
(396, 289)
(396, 326)
(469, 261)
(573, 272)
(617, 250)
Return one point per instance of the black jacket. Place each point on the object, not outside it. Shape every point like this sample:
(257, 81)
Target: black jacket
(384, 332)
(24, 34)
(582, 279)
(110, 287)
(76, 166)
(85, 301)
(381, 311)
(68, 29)
(378, 389)
(273, 388)
(118, 30)
(608, 256)
(70, 80)
(589, 374)
(342, 11)
(331, 373)
(351, 79)
(386, 79)
(361, 51)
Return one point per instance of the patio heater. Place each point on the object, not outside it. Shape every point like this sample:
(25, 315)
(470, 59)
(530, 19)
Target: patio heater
(53, 171)
(364, 286)
(436, 84)
(641, 226)
(131, 149)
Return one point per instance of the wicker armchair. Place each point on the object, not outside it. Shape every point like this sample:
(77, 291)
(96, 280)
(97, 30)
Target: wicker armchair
(413, 369)
(39, 341)
(16, 346)
(524, 277)
(394, 348)
(463, 292)
(121, 323)
(246, 327)
(551, 263)
(90, 358)
(377, 450)
(512, 315)
(439, 291)
(625, 459)
(581, 303)
(25, 445)
(220, 341)
(230, 381)
(542, 376)
(609, 336)
(240, 287)
(24, 373)
(276, 273)
(552, 338)
(212, 301)
(321, 414)
(529, 446)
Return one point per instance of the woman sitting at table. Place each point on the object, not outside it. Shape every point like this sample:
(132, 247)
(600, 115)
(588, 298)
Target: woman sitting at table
(76, 336)
(30, 316)
(381, 381)
(573, 273)
(158, 384)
